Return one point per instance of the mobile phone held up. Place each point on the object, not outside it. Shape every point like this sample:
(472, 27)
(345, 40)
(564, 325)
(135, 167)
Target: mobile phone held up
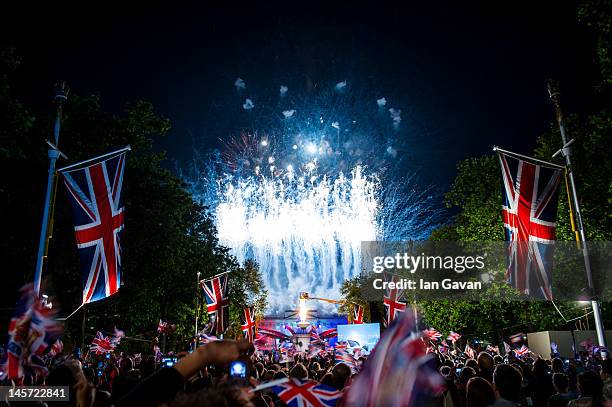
(238, 369)
(169, 362)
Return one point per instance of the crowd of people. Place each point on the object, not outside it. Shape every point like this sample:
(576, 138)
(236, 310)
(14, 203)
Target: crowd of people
(202, 378)
(493, 380)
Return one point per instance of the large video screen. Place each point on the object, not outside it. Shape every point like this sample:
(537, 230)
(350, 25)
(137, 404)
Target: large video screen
(363, 336)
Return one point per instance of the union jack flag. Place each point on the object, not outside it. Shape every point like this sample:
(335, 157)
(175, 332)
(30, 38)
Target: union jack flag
(273, 334)
(358, 314)
(247, 321)
(453, 336)
(391, 300)
(398, 372)
(306, 393)
(56, 348)
(342, 356)
(97, 211)
(432, 334)
(493, 349)
(314, 336)
(522, 351)
(469, 352)
(287, 348)
(217, 301)
(31, 331)
(102, 344)
(529, 211)
(329, 333)
(204, 339)
(165, 327)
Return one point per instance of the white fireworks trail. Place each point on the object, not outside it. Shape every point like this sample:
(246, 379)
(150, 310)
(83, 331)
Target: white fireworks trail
(304, 231)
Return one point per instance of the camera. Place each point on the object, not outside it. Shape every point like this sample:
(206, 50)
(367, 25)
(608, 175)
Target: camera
(239, 369)
(169, 362)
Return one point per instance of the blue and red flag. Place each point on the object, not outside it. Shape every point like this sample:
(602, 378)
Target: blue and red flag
(432, 334)
(329, 333)
(217, 302)
(358, 314)
(392, 301)
(98, 216)
(306, 393)
(272, 333)
(529, 212)
(247, 323)
(453, 336)
(32, 330)
(522, 351)
(399, 371)
(102, 344)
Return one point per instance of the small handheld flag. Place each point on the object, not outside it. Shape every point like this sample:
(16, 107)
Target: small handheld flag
(392, 301)
(302, 393)
(247, 321)
(102, 344)
(432, 334)
(32, 330)
(217, 301)
(453, 336)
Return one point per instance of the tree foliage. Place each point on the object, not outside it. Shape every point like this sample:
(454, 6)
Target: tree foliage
(168, 237)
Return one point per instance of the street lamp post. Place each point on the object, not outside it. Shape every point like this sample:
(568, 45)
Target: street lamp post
(61, 94)
(566, 150)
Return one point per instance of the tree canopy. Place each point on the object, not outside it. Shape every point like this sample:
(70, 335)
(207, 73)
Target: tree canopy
(168, 237)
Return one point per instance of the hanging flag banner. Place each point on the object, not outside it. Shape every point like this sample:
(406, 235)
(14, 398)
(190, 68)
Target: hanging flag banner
(94, 190)
(529, 210)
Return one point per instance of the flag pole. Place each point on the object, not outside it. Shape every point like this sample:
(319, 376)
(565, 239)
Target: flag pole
(197, 310)
(98, 158)
(555, 96)
(61, 94)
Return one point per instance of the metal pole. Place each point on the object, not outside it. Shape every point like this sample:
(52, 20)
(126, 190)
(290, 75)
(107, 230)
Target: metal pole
(53, 154)
(83, 322)
(555, 96)
(197, 310)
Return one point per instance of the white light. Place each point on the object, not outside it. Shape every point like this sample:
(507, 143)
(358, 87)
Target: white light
(290, 168)
(264, 142)
(295, 146)
(303, 310)
(311, 148)
(270, 160)
(305, 234)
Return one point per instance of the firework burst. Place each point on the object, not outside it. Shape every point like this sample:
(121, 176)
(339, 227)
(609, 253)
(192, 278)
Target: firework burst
(308, 180)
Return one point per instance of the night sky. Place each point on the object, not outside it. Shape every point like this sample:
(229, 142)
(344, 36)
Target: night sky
(466, 76)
